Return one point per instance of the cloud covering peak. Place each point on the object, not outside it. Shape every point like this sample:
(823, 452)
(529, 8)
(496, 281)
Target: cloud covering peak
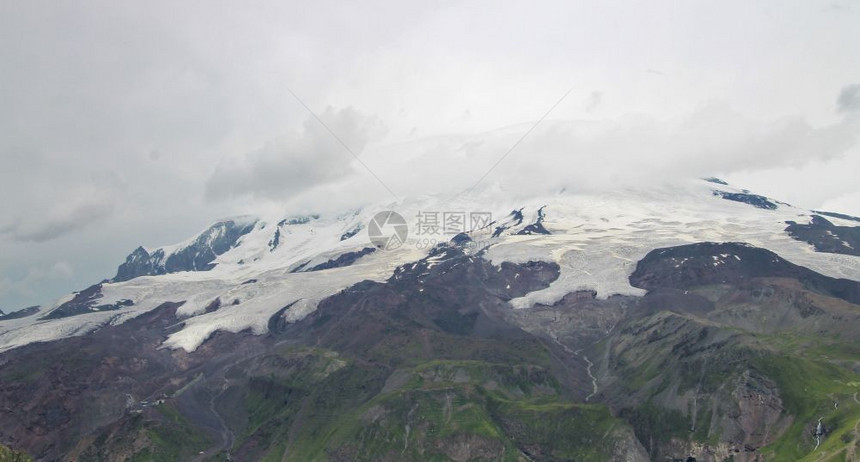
(292, 164)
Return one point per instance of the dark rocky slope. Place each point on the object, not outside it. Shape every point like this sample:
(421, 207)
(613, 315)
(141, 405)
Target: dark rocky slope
(198, 255)
(22, 313)
(827, 237)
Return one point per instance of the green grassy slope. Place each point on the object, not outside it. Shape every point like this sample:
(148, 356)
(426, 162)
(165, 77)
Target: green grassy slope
(436, 410)
(9, 455)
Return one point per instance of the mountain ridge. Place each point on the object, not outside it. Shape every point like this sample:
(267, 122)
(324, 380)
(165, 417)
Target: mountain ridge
(675, 323)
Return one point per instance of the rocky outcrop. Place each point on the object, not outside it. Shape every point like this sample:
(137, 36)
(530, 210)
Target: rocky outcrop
(85, 301)
(342, 260)
(197, 255)
(707, 263)
(536, 227)
(351, 232)
(827, 237)
(838, 215)
(22, 313)
(755, 200)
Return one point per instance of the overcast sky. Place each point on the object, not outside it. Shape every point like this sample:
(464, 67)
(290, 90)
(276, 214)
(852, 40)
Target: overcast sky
(129, 123)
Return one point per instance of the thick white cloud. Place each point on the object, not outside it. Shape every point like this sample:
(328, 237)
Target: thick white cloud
(292, 164)
(610, 153)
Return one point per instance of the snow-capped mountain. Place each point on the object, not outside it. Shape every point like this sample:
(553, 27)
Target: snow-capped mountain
(196, 254)
(686, 321)
(254, 266)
